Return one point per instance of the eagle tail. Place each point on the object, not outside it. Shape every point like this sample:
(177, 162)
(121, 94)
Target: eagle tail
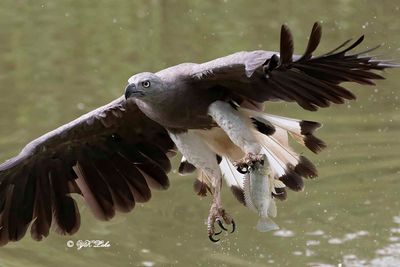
(272, 133)
(286, 165)
(301, 130)
(234, 180)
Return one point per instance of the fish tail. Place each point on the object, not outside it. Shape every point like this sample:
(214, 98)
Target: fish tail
(266, 224)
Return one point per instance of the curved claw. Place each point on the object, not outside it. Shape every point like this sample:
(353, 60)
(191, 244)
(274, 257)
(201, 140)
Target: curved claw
(243, 170)
(212, 239)
(233, 226)
(221, 225)
(220, 232)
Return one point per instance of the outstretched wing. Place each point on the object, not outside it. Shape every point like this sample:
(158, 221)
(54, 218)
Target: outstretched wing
(110, 156)
(310, 81)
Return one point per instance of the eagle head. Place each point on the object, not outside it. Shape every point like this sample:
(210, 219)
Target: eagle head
(145, 85)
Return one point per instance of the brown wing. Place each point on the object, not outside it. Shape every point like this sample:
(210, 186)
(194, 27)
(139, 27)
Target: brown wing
(111, 156)
(312, 82)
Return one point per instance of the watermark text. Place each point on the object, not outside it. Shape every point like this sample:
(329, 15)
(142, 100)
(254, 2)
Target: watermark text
(79, 244)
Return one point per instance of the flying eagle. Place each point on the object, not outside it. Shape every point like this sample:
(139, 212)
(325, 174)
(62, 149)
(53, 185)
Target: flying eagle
(211, 112)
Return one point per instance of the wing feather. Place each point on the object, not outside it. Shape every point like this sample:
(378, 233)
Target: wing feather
(110, 156)
(311, 81)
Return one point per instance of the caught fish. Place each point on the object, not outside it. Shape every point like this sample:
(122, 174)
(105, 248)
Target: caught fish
(258, 186)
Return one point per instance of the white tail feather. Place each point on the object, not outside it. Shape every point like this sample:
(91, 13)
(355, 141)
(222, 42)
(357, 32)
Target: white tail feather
(231, 175)
(281, 135)
(284, 153)
(289, 124)
(282, 125)
(278, 155)
(277, 167)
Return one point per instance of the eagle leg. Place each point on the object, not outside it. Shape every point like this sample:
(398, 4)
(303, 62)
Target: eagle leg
(220, 216)
(238, 128)
(198, 153)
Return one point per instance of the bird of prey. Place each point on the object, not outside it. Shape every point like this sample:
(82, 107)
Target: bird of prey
(212, 113)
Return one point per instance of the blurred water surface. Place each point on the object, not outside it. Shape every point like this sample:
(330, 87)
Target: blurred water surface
(60, 59)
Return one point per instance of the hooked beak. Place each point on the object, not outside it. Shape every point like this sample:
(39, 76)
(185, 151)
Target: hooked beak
(132, 91)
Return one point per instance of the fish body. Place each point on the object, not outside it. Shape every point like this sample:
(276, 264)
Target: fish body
(258, 186)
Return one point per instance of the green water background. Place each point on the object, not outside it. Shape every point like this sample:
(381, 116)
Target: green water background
(60, 59)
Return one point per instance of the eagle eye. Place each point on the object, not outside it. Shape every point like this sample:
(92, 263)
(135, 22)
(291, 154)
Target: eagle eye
(146, 84)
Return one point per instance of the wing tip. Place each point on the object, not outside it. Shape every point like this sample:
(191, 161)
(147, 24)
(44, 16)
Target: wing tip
(286, 45)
